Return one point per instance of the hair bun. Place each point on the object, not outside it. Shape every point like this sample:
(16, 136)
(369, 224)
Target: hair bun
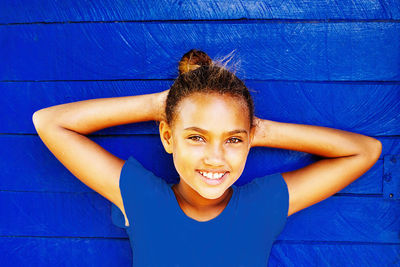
(192, 60)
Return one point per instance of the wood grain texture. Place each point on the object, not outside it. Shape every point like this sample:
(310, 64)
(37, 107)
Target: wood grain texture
(334, 254)
(60, 251)
(116, 252)
(391, 177)
(355, 219)
(355, 51)
(28, 165)
(370, 108)
(26, 11)
(56, 214)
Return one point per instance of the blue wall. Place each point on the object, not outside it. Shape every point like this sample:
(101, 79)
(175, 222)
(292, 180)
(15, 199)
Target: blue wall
(328, 63)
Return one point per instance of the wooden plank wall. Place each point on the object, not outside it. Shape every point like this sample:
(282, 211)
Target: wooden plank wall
(328, 63)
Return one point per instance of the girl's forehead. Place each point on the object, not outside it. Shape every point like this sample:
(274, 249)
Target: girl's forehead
(214, 100)
(212, 111)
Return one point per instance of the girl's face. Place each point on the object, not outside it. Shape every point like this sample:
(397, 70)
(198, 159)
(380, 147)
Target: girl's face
(211, 135)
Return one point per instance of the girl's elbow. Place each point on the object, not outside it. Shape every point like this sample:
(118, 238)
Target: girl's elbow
(378, 147)
(39, 118)
(36, 118)
(373, 150)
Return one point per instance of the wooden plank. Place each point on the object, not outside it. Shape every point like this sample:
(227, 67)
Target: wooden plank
(25, 11)
(46, 173)
(370, 108)
(356, 219)
(27, 165)
(56, 214)
(58, 251)
(391, 177)
(36, 251)
(346, 218)
(334, 254)
(28, 97)
(322, 51)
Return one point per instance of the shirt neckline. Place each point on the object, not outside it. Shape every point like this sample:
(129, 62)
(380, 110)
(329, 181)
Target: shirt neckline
(225, 212)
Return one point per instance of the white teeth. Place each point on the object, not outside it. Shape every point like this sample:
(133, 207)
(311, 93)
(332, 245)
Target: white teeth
(211, 175)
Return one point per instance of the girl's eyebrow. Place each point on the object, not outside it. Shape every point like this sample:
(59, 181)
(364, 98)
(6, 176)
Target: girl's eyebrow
(197, 129)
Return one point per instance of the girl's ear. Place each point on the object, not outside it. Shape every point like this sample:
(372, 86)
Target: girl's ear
(252, 133)
(166, 136)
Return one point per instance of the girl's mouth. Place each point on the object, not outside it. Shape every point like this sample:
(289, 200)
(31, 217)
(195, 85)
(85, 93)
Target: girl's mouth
(213, 178)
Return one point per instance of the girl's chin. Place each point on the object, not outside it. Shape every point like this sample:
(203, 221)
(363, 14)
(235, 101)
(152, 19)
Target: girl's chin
(212, 193)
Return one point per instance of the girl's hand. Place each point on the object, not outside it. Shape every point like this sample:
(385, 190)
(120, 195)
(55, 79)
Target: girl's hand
(260, 132)
(162, 99)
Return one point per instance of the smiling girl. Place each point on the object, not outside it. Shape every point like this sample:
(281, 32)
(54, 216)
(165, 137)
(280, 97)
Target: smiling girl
(207, 123)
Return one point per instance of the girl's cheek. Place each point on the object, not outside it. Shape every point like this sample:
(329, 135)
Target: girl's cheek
(237, 155)
(190, 151)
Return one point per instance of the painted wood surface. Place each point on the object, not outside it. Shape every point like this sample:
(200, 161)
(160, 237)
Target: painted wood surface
(334, 254)
(327, 63)
(391, 177)
(367, 51)
(65, 251)
(370, 108)
(351, 218)
(116, 252)
(46, 173)
(23, 11)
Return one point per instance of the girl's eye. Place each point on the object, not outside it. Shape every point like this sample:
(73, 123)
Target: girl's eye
(234, 140)
(196, 138)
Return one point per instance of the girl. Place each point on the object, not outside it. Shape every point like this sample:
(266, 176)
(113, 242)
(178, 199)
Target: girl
(207, 124)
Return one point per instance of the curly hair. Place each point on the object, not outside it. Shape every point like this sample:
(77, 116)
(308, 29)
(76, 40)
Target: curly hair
(199, 74)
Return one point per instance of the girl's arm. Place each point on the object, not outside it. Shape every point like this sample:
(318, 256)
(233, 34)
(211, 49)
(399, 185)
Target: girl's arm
(348, 156)
(62, 129)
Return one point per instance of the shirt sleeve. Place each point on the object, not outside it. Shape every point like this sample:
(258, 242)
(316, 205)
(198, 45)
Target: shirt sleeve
(138, 187)
(274, 196)
(280, 200)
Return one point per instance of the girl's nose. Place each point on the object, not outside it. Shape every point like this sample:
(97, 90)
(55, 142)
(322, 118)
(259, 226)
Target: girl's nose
(215, 155)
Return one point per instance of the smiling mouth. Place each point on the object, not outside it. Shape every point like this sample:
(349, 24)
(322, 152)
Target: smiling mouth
(212, 175)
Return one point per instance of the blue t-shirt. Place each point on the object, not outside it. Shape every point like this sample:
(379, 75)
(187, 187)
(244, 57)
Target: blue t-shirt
(161, 234)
